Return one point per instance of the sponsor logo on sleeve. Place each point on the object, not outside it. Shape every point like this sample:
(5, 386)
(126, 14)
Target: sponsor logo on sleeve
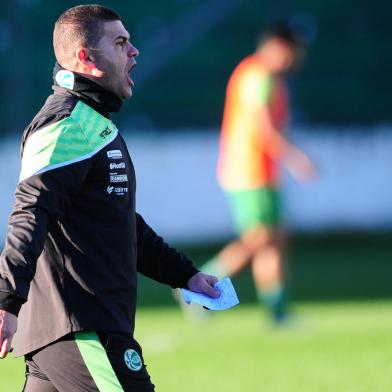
(114, 166)
(118, 190)
(114, 154)
(105, 133)
(118, 177)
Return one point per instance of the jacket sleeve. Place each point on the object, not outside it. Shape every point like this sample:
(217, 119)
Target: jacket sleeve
(159, 261)
(41, 198)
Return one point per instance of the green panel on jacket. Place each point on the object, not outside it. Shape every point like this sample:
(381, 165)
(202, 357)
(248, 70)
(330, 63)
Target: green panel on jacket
(73, 139)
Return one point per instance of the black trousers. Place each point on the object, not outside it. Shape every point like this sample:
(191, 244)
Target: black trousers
(88, 362)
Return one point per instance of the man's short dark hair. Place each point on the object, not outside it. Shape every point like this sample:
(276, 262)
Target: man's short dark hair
(284, 32)
(81, 26)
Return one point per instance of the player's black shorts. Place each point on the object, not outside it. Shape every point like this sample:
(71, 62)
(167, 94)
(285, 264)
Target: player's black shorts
(88, 362)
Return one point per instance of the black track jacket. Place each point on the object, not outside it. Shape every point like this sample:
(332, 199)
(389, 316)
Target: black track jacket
(75, 242)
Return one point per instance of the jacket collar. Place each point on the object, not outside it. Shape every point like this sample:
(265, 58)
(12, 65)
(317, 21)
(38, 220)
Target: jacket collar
(65, 81)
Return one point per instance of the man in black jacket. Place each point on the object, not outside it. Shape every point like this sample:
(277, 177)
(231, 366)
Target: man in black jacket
(75, 243)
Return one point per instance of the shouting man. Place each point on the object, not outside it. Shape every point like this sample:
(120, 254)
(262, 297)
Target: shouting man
(75, 243)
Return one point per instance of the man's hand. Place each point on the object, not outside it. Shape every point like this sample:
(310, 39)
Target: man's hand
(8, 323)
(300, 165)
(203, 283)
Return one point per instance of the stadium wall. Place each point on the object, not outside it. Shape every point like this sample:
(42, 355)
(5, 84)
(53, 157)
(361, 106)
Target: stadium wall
(178, 195)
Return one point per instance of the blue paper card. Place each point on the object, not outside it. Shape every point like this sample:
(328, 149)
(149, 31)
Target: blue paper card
(226, 300)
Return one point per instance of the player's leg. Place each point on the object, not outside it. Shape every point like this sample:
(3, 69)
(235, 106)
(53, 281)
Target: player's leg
(36, 381)
(257, 215)
(252, 234)
(269, 274)
(237, 254)
(92, 362)
(268, 265)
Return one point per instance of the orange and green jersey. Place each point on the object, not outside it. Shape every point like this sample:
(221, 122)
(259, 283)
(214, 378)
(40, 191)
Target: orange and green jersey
(244, 161)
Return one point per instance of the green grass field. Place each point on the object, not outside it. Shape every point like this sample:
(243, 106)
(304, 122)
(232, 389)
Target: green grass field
(341, 340)
(332, 347)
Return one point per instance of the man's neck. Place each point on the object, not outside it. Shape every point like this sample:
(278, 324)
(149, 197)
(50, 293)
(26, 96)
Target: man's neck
(263, 61)
(89, 89)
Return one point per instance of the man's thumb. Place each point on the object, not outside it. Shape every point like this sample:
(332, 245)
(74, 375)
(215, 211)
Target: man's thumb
(211, 291)
(5, 347)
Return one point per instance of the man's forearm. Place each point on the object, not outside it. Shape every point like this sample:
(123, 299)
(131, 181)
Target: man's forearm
(24, 243)
(159, 261)
(10, 302)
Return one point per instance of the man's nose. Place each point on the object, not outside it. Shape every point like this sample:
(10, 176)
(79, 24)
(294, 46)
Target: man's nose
(133, 52)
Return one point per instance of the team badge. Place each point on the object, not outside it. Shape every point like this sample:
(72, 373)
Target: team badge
(132, 360)
(65, 79)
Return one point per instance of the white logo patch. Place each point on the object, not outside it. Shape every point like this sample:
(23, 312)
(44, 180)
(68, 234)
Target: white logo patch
(120, 191)
(117, 165)
(114, 154)
(132, 360)
(118, 177)
(65, 79)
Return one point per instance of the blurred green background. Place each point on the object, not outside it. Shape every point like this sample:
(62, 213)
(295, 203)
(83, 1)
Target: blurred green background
(189, 47)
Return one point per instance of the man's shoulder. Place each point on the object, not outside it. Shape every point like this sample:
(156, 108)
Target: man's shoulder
(56, 108)
(67, 113)
(76, 134)
(250, 68)
(96, 128)
(253, 64)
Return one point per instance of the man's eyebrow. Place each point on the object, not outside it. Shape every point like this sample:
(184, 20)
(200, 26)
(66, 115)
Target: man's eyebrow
(122, 37)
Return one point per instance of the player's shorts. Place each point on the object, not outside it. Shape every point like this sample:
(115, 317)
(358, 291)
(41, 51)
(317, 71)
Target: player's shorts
(88, 362)
(253, 207)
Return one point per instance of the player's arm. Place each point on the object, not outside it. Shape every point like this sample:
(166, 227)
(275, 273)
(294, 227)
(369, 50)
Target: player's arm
(42, 196)
(255, 94)
(278, 146)
(159, 261)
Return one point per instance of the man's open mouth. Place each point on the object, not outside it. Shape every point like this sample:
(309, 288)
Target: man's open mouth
(129, 79)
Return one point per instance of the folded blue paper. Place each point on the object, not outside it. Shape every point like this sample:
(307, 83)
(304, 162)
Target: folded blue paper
(227, 299)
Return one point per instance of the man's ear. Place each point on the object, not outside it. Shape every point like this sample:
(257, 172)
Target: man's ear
(84, 60)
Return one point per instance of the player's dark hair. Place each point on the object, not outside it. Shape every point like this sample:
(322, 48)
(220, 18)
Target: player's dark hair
(284, 32)
(80, 25)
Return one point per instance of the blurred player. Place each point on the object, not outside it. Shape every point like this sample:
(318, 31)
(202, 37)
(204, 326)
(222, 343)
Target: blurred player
(252, 147)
